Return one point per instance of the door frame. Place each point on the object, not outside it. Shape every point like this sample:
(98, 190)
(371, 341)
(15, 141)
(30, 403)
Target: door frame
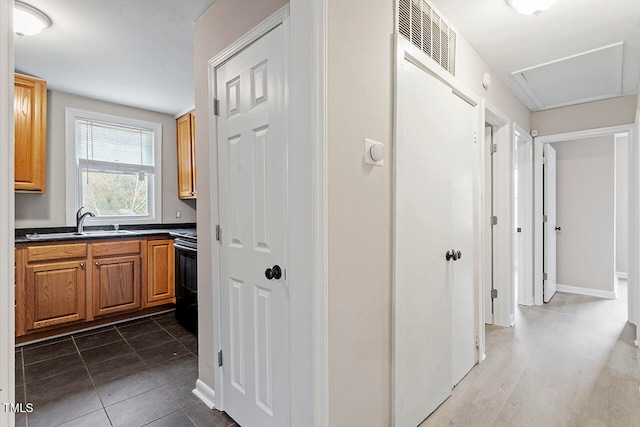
(525, 298)
(304, 71)
(7, 317)
(504, 305)
(538, 144)
(406, 51)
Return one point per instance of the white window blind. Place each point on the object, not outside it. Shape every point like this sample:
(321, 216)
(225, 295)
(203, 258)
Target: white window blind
(111, 143)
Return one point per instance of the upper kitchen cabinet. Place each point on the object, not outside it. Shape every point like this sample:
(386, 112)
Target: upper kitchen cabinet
(186, 129)
(30, 124)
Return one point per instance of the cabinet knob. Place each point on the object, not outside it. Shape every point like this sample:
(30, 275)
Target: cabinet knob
(82, 265)
(97, 264)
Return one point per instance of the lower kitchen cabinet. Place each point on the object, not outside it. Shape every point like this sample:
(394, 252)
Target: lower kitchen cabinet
(50, 285)
(62, 286)
(160, 272)
(116, 284)
(55, 293)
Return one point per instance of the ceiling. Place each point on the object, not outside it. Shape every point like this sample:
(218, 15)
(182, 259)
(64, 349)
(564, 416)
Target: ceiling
(140, 52)
(514, 45)
(131, 52)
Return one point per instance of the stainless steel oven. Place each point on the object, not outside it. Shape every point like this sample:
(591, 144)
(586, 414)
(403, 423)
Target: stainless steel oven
(186, 249)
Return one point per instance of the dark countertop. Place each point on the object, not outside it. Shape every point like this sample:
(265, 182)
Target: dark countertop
(134, 231)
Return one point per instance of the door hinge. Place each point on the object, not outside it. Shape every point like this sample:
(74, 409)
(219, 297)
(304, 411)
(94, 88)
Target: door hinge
(494, 220)
(216, 107)
(493, 148)
(218, 233)
(545, 218)
(544, 160)
(477, 341)
(220, 358)
(494, 293)
(544, 276)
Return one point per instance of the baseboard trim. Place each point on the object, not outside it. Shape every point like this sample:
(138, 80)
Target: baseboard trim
(621, 275)
(205, 393)
(586, 291)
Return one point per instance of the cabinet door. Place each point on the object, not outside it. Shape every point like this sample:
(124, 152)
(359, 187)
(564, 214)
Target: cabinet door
(30, 123)
(185, 126)
(160, 272)
(116, 284)
(55, 294)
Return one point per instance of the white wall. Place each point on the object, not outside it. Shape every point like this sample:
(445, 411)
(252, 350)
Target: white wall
(48, 210)
(622, 205)
(585, 211)
(360, 98)
(360, 105)
(225, 22)
(7, 275)
(591, 115)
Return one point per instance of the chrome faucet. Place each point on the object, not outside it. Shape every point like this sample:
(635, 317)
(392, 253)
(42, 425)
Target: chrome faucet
(80, 217)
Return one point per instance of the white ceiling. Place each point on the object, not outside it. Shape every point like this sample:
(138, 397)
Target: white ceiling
(131, 52)
(140, 52)
(511, 42)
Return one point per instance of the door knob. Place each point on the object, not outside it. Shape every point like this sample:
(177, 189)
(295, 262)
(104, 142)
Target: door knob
(558, 228)
(273, 273)
(453, 255)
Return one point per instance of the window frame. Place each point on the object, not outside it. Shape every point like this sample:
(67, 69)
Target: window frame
(73, 169)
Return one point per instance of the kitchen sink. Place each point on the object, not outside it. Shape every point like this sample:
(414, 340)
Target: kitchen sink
(75, 235)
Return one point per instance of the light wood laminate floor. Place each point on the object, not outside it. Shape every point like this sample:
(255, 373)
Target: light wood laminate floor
(571, 362)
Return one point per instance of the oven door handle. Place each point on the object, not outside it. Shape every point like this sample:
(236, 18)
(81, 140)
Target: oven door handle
(184, 248)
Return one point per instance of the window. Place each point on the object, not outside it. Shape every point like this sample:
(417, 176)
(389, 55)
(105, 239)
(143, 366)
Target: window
(114, 168)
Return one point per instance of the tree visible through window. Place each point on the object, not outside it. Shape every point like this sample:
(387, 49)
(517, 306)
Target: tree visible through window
(115, 169)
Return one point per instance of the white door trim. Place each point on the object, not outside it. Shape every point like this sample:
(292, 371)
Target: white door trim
(405, 50)
(504, 305)
(305, 75)
(7, 318)
(538, 144)
(526, 299)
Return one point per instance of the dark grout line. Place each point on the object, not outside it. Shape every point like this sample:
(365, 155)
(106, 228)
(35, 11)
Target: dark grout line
(147, 366)
(175, 338)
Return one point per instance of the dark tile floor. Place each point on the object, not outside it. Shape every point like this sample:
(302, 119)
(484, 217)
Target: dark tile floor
(132, 374)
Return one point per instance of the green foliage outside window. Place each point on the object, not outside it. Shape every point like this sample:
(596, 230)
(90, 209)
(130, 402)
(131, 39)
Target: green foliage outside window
(114, 194)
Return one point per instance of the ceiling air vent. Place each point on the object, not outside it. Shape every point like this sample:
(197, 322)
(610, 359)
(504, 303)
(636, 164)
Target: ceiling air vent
(422, 26)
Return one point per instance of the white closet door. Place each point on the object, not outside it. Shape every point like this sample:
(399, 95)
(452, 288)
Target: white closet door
(430, 137)
(549, 227)
(463, 299)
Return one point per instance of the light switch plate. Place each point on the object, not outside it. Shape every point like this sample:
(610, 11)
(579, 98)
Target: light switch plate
(368, 143)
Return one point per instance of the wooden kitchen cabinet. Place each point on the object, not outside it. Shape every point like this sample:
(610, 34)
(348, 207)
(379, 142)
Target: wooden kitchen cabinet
(186, 130)
(30, 126)
(117, 277)
(160, 272)
(69, 285)
(54, 286)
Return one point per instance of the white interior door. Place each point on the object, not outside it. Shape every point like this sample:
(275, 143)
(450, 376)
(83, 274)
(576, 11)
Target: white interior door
(524, 220)
(488, 192)
(549, 171)
(252, 195)
(428, 145)
(463, 206)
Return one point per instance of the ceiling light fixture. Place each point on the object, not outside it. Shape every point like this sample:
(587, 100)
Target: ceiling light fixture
(531, 7)
(27, 20)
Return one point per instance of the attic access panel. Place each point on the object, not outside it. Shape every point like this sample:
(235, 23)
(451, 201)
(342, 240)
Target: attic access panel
(588, 76)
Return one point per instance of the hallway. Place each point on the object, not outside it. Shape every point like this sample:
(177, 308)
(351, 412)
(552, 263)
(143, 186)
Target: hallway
(571, 362)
